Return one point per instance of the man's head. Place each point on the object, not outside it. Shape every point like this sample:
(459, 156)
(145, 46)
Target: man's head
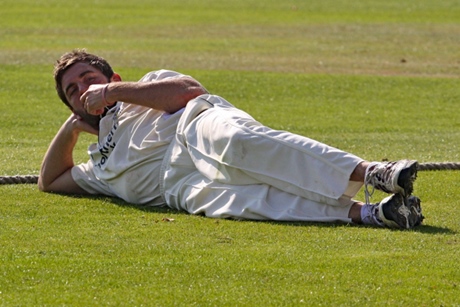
(69, 59)
(74, 72)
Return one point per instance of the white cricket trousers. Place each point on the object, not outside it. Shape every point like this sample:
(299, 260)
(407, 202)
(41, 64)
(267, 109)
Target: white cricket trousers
(225, 164)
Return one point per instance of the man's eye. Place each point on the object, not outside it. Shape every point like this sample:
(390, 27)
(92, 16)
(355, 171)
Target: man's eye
(72, 92)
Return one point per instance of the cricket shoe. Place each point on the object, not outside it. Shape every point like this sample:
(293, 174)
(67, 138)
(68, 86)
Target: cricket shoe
(391, 177)
(397, 211)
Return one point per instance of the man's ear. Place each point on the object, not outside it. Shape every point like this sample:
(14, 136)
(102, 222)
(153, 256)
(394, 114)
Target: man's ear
(115, 78)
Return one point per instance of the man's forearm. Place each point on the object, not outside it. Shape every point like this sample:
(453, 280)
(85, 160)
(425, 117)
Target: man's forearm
(168, 95)
(58, 159)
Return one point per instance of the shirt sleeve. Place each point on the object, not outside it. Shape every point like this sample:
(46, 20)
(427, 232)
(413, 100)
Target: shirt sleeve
(84, 176)
(160, 75)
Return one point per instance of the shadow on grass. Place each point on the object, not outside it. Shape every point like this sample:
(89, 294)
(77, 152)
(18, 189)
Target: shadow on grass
(434, 230)
(121, 203)
(426, 229)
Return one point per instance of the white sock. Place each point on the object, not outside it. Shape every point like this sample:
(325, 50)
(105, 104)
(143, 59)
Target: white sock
(369, 215)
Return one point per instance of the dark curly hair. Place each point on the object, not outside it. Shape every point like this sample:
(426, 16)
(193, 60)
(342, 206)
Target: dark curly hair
(76, 56)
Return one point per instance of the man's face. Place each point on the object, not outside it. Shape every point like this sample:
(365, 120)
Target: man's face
(75, 82)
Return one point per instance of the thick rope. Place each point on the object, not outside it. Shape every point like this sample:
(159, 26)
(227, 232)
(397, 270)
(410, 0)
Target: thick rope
(430, 166)
(436, 166)
(18, 179)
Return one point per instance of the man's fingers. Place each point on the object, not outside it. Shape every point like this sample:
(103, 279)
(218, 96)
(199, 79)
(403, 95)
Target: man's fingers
(84, 96)
(92, 100)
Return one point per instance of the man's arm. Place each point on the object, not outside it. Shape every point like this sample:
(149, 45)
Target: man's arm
(55, 173)
(169, 95)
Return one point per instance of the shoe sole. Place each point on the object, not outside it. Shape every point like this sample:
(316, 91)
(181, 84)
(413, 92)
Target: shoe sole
(404, 212)
(407, 177)
(416, 217)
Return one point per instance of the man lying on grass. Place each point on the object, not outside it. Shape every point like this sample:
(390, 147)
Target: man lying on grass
(166, 141)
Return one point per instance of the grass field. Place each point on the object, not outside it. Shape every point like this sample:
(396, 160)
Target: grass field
(376, 78)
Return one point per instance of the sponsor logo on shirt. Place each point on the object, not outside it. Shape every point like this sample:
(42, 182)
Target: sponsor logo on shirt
(107, 147)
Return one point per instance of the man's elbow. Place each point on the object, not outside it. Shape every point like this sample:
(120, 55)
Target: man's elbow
(42, 187)
(189, 89)
(47, 187)
(194, 88)
(193, 92)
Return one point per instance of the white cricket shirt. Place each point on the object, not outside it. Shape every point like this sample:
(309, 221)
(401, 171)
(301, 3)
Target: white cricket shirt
(127, 159)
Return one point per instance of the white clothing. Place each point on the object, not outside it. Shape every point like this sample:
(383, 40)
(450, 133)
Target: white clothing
(225, 164)
(216, 160)
(132, 143)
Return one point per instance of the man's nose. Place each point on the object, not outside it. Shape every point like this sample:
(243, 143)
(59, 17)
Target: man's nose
(82, 87)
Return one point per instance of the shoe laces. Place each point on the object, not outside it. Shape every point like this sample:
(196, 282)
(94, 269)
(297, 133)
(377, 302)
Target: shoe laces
(369, 180)
(368, 194)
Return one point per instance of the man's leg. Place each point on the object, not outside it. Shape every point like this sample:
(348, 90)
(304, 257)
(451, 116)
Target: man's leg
(359, 172)
(229, 146)
(198, 195)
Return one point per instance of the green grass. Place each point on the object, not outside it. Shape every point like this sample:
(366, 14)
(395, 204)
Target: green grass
(377, 78)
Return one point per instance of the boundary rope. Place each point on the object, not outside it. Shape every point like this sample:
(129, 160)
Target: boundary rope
(430, 166)
(18, 179)
(438, 166)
